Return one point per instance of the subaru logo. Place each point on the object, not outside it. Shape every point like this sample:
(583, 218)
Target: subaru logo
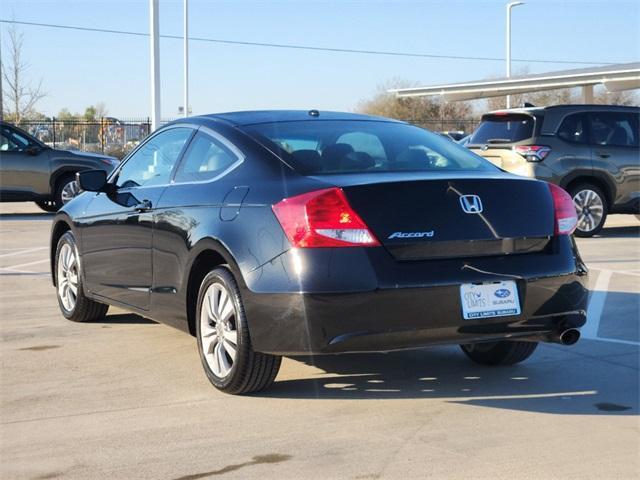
(471, 203)
(502, 293)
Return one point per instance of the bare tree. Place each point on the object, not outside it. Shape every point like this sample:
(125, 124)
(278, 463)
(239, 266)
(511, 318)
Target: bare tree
(20, 96)
(425, 111)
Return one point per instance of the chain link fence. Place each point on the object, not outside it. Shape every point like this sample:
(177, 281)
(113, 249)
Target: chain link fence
(117, 137)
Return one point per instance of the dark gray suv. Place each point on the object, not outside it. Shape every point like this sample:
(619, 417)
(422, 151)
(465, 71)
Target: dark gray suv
(592, 151)
(32, 171)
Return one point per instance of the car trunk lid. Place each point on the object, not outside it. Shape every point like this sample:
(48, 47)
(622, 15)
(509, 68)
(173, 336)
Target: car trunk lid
(423, 216)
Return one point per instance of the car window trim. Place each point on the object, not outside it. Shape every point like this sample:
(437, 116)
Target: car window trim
(240, 157)
(114, 175)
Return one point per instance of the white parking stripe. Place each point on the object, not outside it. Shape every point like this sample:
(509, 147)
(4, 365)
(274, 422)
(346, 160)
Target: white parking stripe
(22, 252)
(596, 305)
(616, 340)
(13, 267)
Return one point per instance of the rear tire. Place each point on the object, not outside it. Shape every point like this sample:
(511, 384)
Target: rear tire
(74, 304)
(499, 353)
(592, 208)
(224, 344)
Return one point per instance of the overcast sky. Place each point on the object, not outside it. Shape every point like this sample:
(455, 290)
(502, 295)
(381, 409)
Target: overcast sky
(81, 68)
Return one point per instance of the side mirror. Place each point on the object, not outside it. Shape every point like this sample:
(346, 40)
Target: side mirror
(92, 180)
(32, 150)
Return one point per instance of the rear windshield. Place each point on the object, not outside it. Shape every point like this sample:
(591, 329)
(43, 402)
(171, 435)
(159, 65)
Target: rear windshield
(503, 129)
(317, 147)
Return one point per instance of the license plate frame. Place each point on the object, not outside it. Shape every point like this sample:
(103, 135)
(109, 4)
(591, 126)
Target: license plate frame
(489, 300)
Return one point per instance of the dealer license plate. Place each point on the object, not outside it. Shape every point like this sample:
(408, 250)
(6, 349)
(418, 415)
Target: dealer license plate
(484, 300)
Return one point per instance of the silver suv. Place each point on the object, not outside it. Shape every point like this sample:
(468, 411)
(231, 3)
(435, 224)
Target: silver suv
(592, 151)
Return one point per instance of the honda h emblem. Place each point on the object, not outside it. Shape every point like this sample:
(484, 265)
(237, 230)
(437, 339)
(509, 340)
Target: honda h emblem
(471, 203)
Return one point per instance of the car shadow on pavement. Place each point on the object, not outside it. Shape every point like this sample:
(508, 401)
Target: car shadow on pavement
(620, 232)
(552, 383)
(26, 216)
(126, 319)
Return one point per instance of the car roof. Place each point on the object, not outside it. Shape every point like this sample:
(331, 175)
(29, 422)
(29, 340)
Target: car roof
(272, 116)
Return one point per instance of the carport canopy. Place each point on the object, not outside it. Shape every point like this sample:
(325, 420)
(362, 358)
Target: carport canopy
(615, 78)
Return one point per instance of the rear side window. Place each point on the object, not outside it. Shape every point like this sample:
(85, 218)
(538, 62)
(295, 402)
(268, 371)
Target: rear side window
(508, 128)
(324, 147)
(206, 158)
(574, 128)
(614, 129)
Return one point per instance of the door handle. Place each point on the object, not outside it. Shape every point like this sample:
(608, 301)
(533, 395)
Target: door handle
(602, 154)
(143, 206)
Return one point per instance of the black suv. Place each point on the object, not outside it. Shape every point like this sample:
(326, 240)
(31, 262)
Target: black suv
(592, 151)
(32, 171)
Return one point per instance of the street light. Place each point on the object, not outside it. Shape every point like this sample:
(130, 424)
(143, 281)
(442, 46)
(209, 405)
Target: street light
(154, 44)
(186, 58)
(509, 7)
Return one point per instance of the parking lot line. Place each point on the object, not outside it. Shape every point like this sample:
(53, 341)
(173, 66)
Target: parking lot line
(23, 251)
(596, 305)
(13, 267)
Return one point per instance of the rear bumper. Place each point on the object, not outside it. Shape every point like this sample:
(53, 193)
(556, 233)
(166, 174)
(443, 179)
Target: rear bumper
(421, 307)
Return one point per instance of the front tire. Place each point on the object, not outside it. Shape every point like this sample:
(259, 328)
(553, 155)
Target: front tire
(66, 190)
(591, 207)
(228, 359)
(499, 353)
(74, 304)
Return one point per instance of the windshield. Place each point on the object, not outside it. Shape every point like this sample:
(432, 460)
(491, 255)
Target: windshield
(318, 147)
(503, 129)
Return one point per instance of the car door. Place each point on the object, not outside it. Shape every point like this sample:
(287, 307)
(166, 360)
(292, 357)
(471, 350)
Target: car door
(202, 196)
(615, 146)
(117, 227)
(24, 165)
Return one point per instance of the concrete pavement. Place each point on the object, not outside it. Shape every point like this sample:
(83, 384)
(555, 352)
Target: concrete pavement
(126, 398)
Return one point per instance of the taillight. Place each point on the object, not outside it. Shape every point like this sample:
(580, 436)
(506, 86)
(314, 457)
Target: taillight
(566, 217)
(322, 218)
(533, 153)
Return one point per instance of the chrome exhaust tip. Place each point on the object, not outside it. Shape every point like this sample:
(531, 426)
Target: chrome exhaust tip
(569, 336)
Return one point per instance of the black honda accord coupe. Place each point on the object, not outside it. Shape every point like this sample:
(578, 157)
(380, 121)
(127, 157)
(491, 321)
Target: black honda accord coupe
(303, 232)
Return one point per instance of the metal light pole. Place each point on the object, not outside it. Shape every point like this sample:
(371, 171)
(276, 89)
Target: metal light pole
(186, 58)
(1, 79)
(154, 31)
(509, 7)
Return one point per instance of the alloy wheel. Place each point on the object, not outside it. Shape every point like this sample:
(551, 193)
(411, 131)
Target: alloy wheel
(590, 209)
(67, 277)
(69, 191)
(218, 329)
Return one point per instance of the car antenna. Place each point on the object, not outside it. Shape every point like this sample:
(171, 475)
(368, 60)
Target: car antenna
(314, 113)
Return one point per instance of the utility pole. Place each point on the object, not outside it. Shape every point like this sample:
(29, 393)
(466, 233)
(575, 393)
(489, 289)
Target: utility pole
(154, 31)
(509, 7)
(1, 81)
(186, 58)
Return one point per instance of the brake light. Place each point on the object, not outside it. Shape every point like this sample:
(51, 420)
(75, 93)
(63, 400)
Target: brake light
(566, 217)
(322, 218)
(533, 153)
